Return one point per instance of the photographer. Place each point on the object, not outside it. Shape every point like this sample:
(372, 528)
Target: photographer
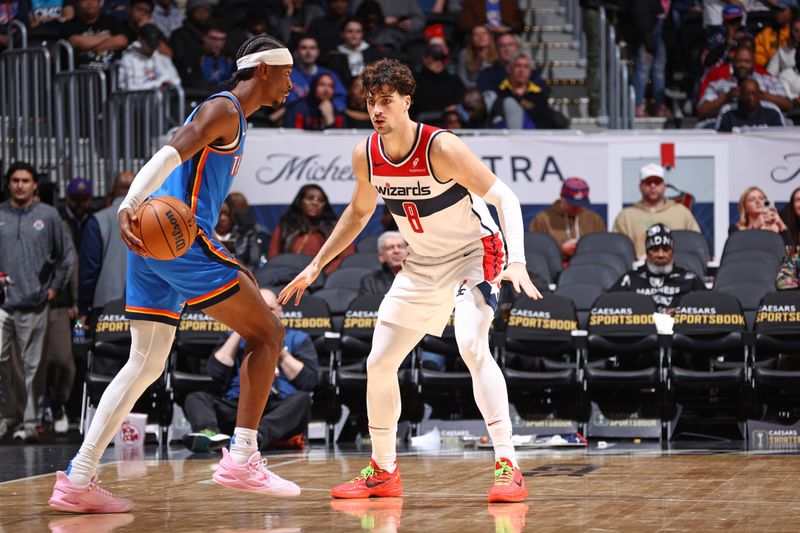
(755, 212)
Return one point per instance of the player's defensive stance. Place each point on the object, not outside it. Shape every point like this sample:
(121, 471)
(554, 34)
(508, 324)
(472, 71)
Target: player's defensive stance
(198, 166)
(435, 188)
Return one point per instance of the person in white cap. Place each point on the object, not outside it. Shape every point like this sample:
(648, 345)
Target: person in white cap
(198, 165)
(653, 208)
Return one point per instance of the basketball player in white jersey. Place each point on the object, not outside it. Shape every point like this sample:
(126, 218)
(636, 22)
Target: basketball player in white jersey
(435, 188)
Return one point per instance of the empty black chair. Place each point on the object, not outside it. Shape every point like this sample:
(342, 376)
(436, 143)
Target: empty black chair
(601, 275)
(362, 260)
(615, 261)
(621, 325)
(751, 271)
(283, 268)
(346, 278)
(583, 296)
(777, 384)
(690, 262)
(545, 380)
(754, 240)
(368, 244)
(709, 328)
(537, 264)
(338, 301)
(197, 336)
(545, 245)
(692, 242)
(616, 243)
(108, 353)
(766, 259)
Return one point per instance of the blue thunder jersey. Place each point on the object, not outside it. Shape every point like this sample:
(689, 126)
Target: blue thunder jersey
(205, 180)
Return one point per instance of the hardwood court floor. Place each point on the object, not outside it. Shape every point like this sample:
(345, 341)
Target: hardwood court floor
(568, 492)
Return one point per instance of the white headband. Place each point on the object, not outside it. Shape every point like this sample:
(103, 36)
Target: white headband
(276, 56)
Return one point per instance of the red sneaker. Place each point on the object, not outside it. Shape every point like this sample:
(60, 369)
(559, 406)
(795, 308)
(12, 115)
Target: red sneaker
(378, 514)
(372, 482)
(509, 485)
(509, 518)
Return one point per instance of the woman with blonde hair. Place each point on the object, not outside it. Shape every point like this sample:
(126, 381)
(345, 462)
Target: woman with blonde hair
(478, 54)
(755, 212)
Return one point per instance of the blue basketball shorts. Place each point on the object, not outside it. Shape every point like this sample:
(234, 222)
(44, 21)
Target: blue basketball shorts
(158, 290)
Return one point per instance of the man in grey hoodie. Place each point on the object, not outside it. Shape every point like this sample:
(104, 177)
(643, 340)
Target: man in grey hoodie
(35, 261)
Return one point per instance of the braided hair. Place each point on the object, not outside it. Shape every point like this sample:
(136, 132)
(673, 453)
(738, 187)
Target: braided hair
(254, 44)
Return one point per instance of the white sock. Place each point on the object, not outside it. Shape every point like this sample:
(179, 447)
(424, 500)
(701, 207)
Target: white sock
(384, 447)
(500, 432)
(244, 443)
(150, 345)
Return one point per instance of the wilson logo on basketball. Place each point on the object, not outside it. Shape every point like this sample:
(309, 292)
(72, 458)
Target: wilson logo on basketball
(177, 233)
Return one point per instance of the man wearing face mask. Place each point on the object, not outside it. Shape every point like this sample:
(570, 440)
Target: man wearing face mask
(660, 278)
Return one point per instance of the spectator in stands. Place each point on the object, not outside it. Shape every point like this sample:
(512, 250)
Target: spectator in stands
(288, 410)
(167, 17)
(213, 68)
(139, 15)
(472, 109)
(144, 67)
(403, 16)
(350, 57)
(749, 110)
(775, 36)
(499, 16)
(316, 111)
(103, 260)
(785, 56)
(257, 22)
(244, 242)
(356, 112)
(392, 252)
(476, 56)
(522, 103)
(296, 18)
(306, 69)
(755, 212)
(659, 277)
(720, 46)
(788, 277)
(437, 91)
(569, 218)
(327, 29)
(77, 208)
(246, 226)
(590, 15)
(646, 19)
(653, 208)
(98, 39)
(790, 214)
(451, 120)
(490, 78)
(385, 39)
(46, 17)
(790, 78)
(36, 259)
(305, 227)
(726, 90)
(187, 41)
(10, 11)
(712, 14)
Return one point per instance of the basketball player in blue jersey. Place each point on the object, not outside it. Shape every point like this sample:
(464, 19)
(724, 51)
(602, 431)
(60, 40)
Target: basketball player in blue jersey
(198, 166)
(436, 190)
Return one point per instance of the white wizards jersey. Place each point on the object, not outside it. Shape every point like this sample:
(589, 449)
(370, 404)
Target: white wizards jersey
(436, 218)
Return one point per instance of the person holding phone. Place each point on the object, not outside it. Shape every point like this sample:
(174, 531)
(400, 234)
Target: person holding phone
(755, 212)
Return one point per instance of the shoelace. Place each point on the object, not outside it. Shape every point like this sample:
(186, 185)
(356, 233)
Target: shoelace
(261, 467)
(366, 473)
(504, 474)
(100, 490)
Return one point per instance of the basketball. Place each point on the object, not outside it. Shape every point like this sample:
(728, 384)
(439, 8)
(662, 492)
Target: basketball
(166, 226)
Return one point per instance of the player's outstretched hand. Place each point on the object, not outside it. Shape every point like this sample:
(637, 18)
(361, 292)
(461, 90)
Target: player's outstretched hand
(299, 284)
(126, 218)
(517, 274)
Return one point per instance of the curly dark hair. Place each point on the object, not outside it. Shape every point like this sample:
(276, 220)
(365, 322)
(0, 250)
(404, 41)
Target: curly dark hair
(295, 223)
(389, 73)
(790, 218)
(257, 43)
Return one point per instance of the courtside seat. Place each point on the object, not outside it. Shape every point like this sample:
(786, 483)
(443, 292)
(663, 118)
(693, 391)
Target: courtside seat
(195, 340)
(753, 240)
(609, 259)
(606, 242)
(545, 245)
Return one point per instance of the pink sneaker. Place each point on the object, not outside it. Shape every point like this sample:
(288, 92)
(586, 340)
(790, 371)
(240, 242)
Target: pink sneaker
(253, 477)
(71, 498)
